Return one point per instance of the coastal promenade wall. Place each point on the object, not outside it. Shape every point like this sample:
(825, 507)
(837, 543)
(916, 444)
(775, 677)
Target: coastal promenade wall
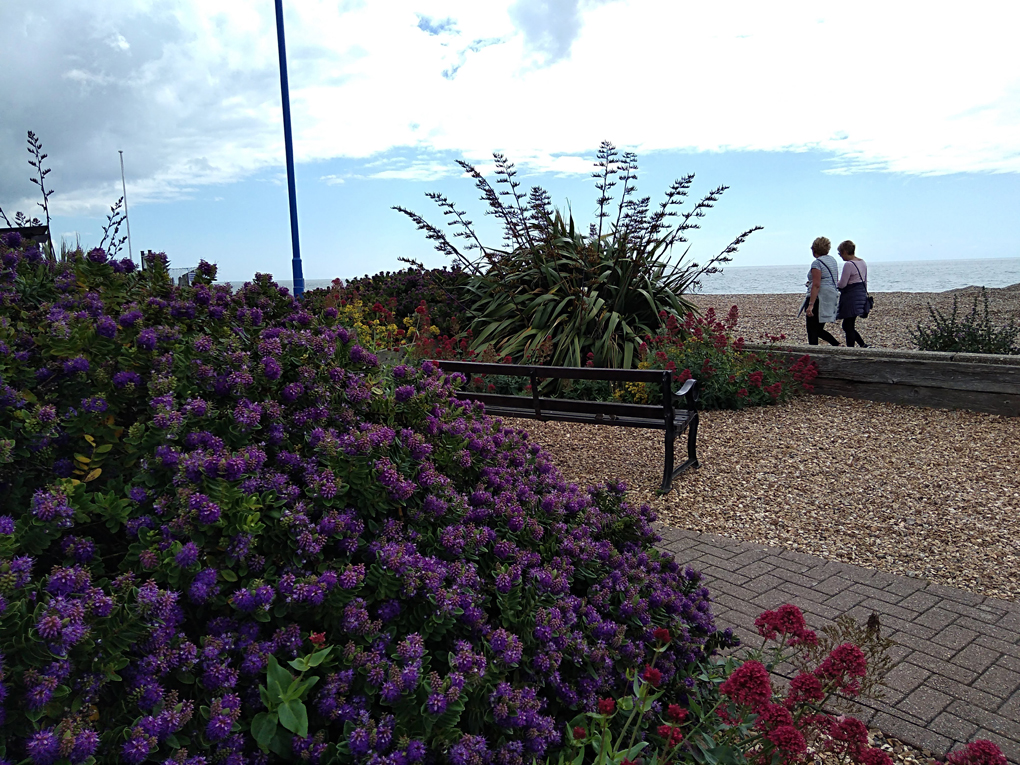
(974, 381)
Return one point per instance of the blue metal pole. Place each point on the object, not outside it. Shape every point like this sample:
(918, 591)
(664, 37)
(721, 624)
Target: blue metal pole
(299, 279)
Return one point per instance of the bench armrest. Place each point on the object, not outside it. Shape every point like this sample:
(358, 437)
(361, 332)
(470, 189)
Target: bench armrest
(689, 391)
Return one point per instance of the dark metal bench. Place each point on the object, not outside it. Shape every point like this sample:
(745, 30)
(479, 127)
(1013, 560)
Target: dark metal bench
(677, 412)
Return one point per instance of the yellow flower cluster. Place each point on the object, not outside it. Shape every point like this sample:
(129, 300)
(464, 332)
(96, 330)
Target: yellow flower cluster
(373, 334)
(634, 392)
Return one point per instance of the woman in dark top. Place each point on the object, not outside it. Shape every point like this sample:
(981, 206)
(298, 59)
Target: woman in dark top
(853, 293)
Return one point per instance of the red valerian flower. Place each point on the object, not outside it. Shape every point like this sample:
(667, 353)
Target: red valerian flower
(878, 757)
(842, 667)
(789, 741)
(804, 687)
(749, 684)
(580, 732)
(661, 634)
(652, 676)
(980, 752)
(317, 638)
(848, 736)
(607, 706)
(676, 713)
(773, 716)
(787, 620)
(672, 734)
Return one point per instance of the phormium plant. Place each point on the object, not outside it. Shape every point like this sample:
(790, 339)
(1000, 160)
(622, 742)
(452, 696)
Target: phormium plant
(597, 292)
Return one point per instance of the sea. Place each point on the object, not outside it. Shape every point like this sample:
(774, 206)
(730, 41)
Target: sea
(883, 276)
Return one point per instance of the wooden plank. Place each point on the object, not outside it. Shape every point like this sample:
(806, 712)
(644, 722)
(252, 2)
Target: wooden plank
(937, 374)
(921, 395)
(553, 373)
(622, 422)
(608, 408)
(990, 378)
(816, 351)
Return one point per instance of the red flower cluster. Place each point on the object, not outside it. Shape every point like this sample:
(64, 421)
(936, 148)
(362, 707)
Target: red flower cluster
(317, 638)
(789, 741)
(579, 732)
(805, 371)
(652, 676)
(607, 706)
(805, 687)
(980, 752)
(749, 685)
(849, 738)
(788, 621)
(772, 716)
(676, 713)
(671, 733)
(661, 634)
(843, 668)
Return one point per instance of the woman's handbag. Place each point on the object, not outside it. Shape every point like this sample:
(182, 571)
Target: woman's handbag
(869, 301)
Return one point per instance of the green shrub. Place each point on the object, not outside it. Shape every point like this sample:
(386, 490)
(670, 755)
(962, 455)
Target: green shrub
(702, 347)
(970, 334)
(729, 376)
(596, 293)
(399, 294)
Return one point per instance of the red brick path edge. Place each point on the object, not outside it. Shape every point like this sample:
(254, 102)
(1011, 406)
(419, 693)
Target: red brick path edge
(957, 676)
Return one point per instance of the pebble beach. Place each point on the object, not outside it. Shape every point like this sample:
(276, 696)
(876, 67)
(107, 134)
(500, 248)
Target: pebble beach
(896, 314)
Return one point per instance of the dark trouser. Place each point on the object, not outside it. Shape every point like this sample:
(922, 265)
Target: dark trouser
(852, 335)
(815, 329)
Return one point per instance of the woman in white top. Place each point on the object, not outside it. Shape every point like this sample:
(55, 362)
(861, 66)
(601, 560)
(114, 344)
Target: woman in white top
(853, 292)
(823, 297)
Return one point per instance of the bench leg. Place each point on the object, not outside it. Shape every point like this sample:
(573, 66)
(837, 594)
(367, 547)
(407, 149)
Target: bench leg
(692, 443)
(692, 456)
(667, 473)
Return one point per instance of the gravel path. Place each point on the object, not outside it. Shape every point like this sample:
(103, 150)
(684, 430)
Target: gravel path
(896, 314)
(922, 492)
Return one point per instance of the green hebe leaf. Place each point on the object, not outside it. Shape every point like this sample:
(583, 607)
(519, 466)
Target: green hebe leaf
(294, 717)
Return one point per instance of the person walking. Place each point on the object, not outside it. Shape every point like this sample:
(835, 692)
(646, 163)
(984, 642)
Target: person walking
(822, 296)
(853, 292)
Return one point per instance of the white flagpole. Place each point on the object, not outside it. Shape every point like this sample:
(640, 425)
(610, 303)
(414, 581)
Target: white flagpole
(123, 186)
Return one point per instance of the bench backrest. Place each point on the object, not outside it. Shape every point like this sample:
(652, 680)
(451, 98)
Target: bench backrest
(538, 404)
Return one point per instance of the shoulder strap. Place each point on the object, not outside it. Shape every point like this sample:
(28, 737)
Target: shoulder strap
(834, 279)
(861, 277)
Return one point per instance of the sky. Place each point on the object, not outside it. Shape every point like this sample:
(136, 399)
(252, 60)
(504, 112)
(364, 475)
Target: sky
(895, 124)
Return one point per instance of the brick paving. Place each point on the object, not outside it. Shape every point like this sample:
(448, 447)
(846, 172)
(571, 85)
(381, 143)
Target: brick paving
(957, 675)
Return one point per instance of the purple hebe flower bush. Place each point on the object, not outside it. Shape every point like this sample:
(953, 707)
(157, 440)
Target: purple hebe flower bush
(203, 489)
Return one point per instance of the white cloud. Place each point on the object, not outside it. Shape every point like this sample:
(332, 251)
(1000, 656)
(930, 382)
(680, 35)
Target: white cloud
(190, 91)
(118, 42)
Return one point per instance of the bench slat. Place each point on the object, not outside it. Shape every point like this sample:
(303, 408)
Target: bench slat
(557, 373)
(680, 422)
(644, 411)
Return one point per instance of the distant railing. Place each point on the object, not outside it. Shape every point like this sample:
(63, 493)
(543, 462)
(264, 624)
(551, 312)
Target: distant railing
(183, 276)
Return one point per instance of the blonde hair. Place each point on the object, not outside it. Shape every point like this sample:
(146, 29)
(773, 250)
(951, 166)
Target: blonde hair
(848, 247)
(821, 245)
